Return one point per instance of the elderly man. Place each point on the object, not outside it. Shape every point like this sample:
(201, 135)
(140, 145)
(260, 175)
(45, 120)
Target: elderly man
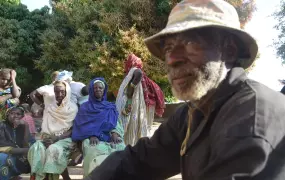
(233, 128)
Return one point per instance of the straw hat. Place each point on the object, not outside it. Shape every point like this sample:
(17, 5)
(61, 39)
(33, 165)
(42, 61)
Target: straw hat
(193, 14)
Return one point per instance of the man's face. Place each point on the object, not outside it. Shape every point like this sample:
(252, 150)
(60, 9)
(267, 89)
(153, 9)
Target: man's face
(60, 93)
(194, 64)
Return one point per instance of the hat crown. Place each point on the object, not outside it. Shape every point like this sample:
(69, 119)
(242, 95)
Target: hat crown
(209, 11)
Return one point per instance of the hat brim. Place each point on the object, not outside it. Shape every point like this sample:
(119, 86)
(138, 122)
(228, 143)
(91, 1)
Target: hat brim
(153, 43)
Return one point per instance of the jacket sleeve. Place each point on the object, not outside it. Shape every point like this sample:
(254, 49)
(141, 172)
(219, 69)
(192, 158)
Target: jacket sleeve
(155, 158)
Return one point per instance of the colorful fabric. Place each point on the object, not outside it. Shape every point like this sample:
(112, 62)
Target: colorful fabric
(153, 95)
(135, 124)
(10, 102)
(95, 155)
(29, 119)
(52, 160)
(58, 119)
(8, 168)
(95, 117)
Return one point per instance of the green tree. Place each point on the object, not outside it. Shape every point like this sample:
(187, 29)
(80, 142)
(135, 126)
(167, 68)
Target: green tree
(20, 32)
(280, 42)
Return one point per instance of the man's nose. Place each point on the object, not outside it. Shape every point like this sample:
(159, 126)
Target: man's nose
(176, 56)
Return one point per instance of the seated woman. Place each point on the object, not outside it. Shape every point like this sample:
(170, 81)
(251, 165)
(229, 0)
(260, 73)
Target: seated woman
(9, 90)
(49, 156)
(97, 125)
(14, 145)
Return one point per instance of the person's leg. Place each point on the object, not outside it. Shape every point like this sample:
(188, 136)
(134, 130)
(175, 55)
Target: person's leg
(36, 158)
(57, 156)
(65, 175)
(94, 155)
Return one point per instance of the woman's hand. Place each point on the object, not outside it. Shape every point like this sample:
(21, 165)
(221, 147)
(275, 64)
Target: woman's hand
(47, 142)
(115, 138)
(128, 107)
(93, 141)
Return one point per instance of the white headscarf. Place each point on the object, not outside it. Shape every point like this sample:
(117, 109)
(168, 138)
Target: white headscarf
(58, 119)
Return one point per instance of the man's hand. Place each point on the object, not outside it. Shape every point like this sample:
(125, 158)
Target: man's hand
(13, 74)
(94, 141)
(115, 138)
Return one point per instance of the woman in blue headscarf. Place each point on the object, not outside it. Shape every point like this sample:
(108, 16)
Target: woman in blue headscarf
(97, 126)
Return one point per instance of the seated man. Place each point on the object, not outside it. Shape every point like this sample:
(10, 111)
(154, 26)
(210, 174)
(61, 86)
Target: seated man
(49, 156)
(14, 145)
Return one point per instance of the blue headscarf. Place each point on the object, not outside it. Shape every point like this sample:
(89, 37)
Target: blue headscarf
(95, 118)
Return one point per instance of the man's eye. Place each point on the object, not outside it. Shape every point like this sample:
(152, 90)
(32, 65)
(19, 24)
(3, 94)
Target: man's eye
(167, 49)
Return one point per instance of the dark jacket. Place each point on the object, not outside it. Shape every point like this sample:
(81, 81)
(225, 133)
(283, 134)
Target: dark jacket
(12, 137)
(242, 138)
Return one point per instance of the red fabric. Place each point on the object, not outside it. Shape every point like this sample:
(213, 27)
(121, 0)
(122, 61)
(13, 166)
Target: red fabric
(27, 118)
(153, 95)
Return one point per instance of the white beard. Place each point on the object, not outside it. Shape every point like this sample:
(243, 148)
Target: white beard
(206, 79)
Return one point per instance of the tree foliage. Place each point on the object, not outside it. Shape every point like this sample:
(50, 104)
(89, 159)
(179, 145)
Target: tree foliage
(280, 42)
(19, 38)
(93, 38)
(90, 37)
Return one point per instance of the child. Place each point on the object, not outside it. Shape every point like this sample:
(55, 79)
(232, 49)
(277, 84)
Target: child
(9, 90)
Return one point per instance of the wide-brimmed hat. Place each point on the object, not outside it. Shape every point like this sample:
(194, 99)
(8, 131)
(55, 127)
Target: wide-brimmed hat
(195, 14)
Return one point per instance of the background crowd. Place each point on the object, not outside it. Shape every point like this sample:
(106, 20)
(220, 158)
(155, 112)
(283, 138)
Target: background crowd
(68, 121)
